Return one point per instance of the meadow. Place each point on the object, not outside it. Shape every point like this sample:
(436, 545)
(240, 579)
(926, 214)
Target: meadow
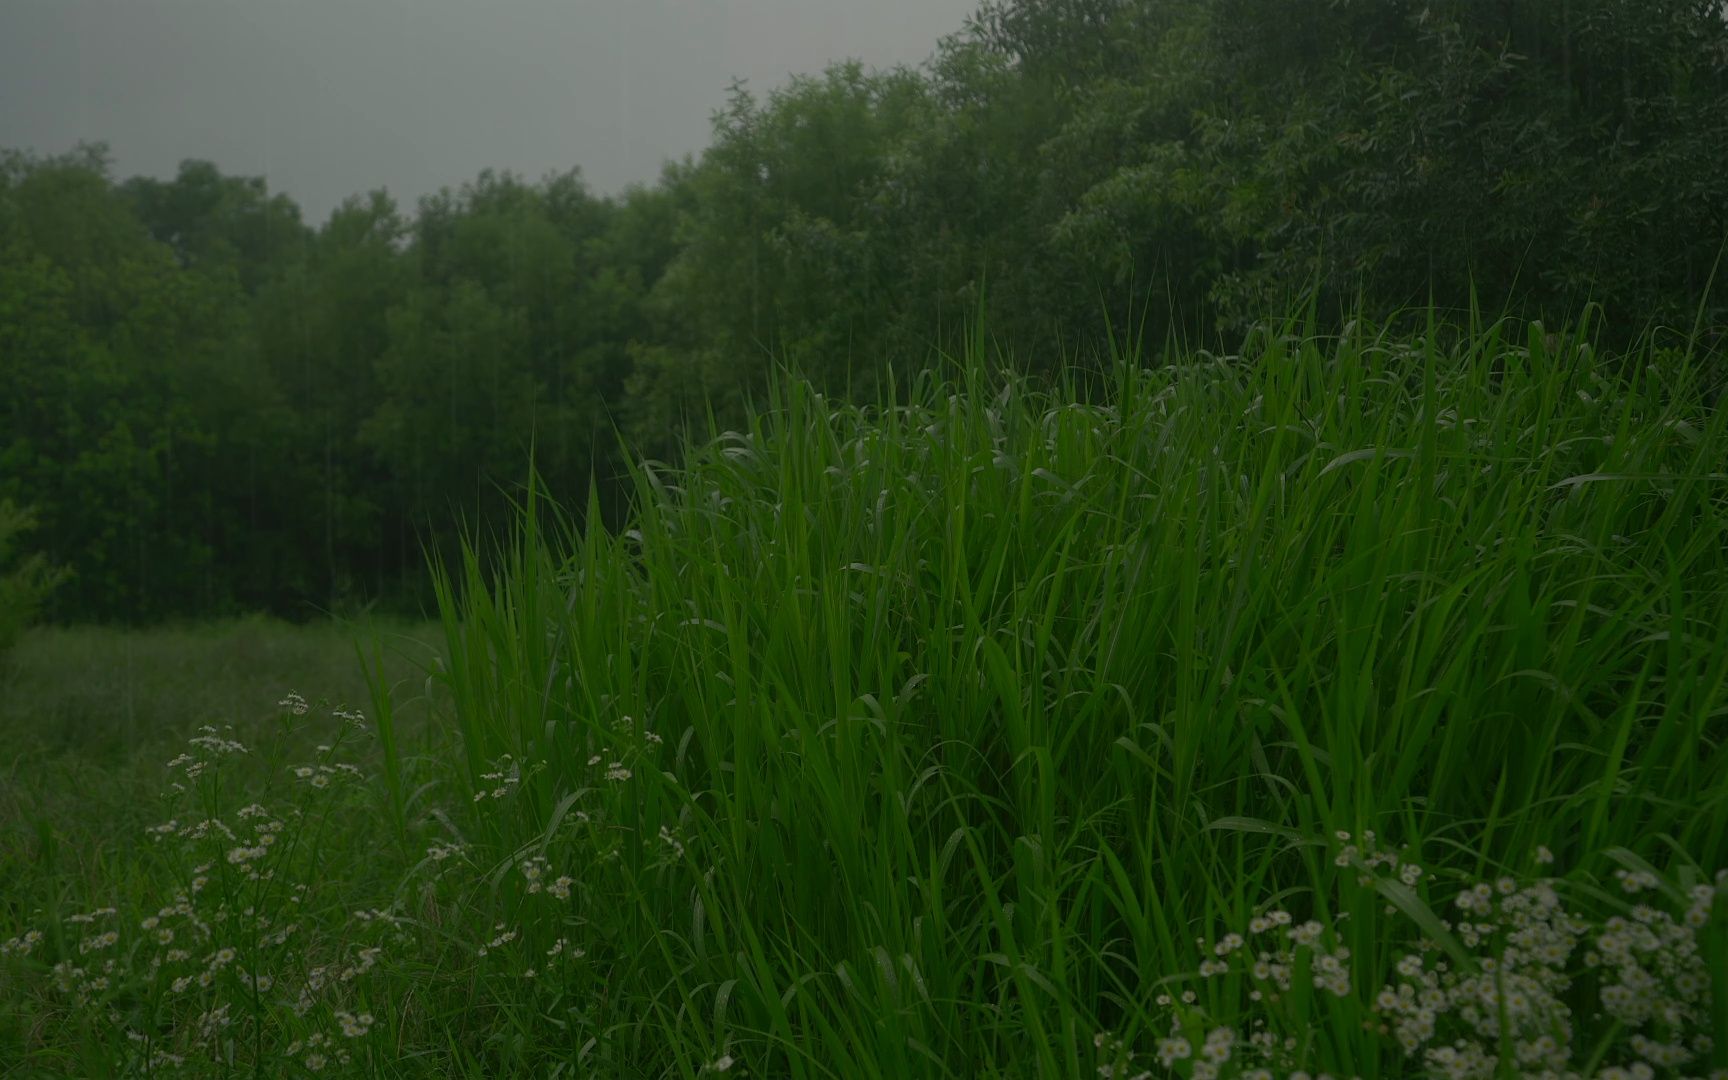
(1350, 706)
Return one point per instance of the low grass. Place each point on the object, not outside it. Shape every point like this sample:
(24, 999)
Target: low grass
(103, 692)
(1350, 706)
(89, 716)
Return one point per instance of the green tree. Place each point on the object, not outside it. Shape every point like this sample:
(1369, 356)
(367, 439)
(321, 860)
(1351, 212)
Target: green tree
(1551, 152)
(220, 224)
(24, 583)
(321, 330)
(786, 251)
(130, 384)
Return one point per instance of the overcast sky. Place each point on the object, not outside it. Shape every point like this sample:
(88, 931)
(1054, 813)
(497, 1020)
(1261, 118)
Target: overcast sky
(329, 98)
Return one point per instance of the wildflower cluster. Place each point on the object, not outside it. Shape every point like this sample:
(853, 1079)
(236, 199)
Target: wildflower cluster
(505, 777)
(1647, 971)
(1535, 976)
(1367, 856)
(536, 873)
(618, 766)
(318, 1051)
(1270, 955)
(1206, 1056)
(221, 958)
(322, 774)
(209, 746)
(511, 943)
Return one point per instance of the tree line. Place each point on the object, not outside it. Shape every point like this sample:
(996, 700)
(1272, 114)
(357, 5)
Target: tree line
(209, 405)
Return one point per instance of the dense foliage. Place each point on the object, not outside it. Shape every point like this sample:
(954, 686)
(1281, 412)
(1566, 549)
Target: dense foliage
(217, 406)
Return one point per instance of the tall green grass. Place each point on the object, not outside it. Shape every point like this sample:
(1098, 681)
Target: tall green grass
(946, 736)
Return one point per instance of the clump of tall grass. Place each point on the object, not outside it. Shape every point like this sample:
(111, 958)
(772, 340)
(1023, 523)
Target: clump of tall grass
(925, 738)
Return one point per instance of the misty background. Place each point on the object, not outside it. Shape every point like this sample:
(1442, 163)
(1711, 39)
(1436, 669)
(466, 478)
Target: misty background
(330, 98)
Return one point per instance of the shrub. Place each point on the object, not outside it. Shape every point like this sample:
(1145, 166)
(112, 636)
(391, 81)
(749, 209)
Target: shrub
(25, 586)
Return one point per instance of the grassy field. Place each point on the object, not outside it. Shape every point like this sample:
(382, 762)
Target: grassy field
(1354, 707)
(89, 716)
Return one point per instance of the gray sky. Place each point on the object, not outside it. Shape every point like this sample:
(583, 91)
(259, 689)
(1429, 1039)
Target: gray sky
(329, 98)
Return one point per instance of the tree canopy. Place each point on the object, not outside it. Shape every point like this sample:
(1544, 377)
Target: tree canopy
(213, 405)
